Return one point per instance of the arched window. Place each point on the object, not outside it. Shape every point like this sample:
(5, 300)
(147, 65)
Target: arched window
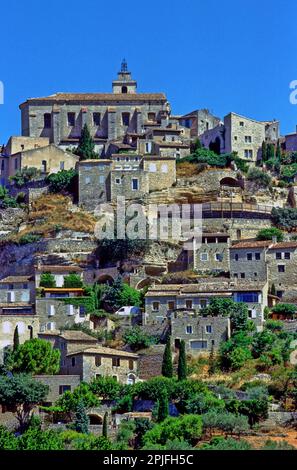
(124, 89)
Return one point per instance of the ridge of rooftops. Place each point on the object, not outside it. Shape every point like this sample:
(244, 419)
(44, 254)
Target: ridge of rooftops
(263, 244)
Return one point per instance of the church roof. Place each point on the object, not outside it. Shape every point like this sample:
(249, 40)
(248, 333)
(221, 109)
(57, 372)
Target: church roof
(114, 97)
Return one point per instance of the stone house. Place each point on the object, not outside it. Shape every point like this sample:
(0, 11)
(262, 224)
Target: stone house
(291, 142)
(49, 159)
(248, 260)
(200, 333)
(199, 121)
(58, 385)
(212, 254)
(59, 272)
(17, 289)
(68, 341)
(281, 261)
(99, 361)
(161, 300)
(54, 312)
(109, 116)
(242, 135)
(130, 175)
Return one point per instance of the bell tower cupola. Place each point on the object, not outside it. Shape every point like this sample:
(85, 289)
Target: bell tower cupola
(124, 83)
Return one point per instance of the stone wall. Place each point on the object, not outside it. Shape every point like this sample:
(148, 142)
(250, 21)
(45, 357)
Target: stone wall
(94, 183)
(57, 313)
(8, 324)
(161, 172)
(254, 269)
(54, 383)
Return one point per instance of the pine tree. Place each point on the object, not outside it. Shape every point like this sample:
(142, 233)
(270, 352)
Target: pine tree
(105, 425)
(163, 406)
(182, 362)
(16, 339)
(86, 147)
(211, 368)
(264, 151)
(81, 419)
(167, 367)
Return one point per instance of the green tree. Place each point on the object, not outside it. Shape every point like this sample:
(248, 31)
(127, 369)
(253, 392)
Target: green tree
(86, 146)
(68, 402)
(47, 280)
(270, 151)
(163, 406)
(182, 362)
(16, 339)
(92, 442)
(269, 233)
(284, 309)
(167, 366)
(239, 317)
(106, 388)
(259, 177)
(137, 339)
(273, 289)
(222, 443)
(81, 419)
(73, 280)
(63, 181)
(278, 153)
(105, 425)
(264, 151)
(187, 428)
(36, 439)
(36, 356)
(24, 393)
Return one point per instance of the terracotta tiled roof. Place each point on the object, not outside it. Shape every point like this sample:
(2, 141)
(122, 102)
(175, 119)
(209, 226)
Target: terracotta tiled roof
(58, 269)
(104, 351)
(16, 279)
(289, 244)
(71, 335)
(252, 244)
(99, 97)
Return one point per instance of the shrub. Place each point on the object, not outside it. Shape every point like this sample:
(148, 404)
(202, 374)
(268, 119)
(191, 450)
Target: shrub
(64, 180)
(221, 443)
(47, 280)
(269, 233)
(284, 309)
(187, 428)
(286, 218)
(73, 281)
(259, 177)
(30, 238)
(22, 177)
(137, 339)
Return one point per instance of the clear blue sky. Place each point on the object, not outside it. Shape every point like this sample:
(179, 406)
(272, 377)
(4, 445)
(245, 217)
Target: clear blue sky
(224, 55)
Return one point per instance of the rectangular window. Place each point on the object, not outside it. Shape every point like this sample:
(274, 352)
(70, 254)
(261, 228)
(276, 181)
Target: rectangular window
(116, 362)
(156, 306)
(257, 256)
(208, 329)
(279, 293)
(189, 329)
(171, 305)
(73, 361)
(219, 257)
(287, 255)
(118, 180)
(151, 116)
(248, 153)
(87, 180)
(131, 364)
(241, 123)
(164, 168)
(281, 268)
(25, 286)
(248, 139)
(242, 275)
(10, 286)
(204, 257)
(97, 361)
(51, 310)
(96, 119)
(236, 257)
(126, 119)
(134, 184)
(198, 344)
(189, 303)
(101, 179)
(152, 167)
(248, 297)
(62, 165)
(64, 388)
(10, 297)
(47, 120)
(278, 255)
(16, 164)
(203, 303)
(71, 119)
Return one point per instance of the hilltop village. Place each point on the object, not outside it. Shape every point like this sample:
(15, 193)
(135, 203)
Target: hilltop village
(115, 342)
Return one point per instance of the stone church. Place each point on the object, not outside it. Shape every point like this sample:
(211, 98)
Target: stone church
(119, 117)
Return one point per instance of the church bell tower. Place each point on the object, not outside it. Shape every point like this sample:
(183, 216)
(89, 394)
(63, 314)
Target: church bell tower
(124, 83)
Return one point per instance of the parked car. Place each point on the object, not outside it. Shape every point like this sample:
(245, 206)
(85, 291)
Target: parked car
(126, 311)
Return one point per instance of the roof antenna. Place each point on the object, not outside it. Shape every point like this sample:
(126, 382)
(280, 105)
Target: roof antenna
(124, 66)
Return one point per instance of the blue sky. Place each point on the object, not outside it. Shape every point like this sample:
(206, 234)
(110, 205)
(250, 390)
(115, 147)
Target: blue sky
(223, 55)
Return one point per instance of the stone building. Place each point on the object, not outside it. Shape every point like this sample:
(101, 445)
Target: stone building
(58, 272)
(248, 260)
(162, 299)
(242, 135)
(99, 361)
(199, 121)
(55, 309)
(58, 385)
(200, 334)
(17, 289)
(130, 175)
(291, 142)
(212, 254)
(109, 116)
(281, 261)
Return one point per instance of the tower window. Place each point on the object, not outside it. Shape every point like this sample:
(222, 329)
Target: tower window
(96, 119)
(124, 89)
(71, 119)
(126, 119)
(47, 120)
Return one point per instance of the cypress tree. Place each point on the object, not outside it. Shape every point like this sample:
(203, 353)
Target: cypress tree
(163, 406)
(264, 151)
(81, 419)
(167, 367)
(86, 146)
(278, 151)
(211, 368)
(270, 154)
(182, 362)
(105, 425)
(16, 339)
(273, 290)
